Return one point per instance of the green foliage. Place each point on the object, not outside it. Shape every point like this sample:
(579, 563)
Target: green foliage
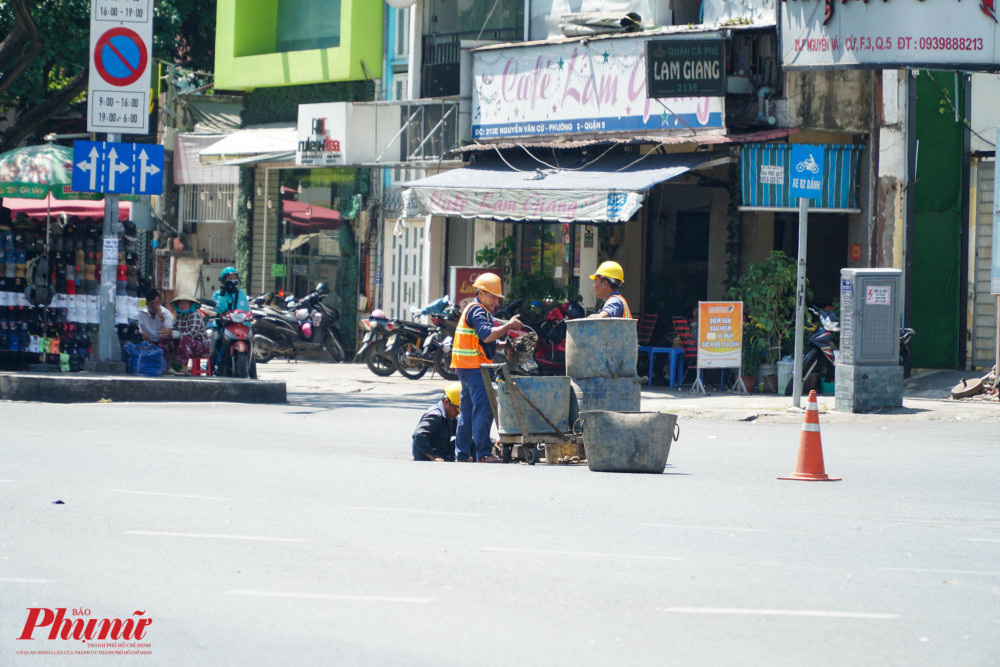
(183, 32)
(767, 291)
(244, 227)
(754, 345)
(529, 285)
(347, 285)
(281, 104)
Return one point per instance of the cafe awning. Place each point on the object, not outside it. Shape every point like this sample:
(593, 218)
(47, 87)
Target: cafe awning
(609, 189)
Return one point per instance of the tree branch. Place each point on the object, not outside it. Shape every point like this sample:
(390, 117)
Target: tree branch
(29, 120)
(25, 31)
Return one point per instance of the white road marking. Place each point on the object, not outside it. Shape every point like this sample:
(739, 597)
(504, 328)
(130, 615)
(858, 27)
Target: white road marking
(981, 539)
(6, 480)
(589, 554)
(166, 495)
(16, 580)
(672, 525)
(325, 596)
(407, 510)
(985, 573)
(212, 536)
(777, 612)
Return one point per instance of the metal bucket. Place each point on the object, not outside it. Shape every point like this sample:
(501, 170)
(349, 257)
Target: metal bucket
(614, 394)
(601, 347)
(628, 441)
(550, 394)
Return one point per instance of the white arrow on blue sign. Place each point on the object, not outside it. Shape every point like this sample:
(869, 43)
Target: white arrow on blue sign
(129, 169)
(806, 171)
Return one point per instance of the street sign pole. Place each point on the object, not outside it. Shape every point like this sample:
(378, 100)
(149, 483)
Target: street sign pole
(108, 348)
(800, 302)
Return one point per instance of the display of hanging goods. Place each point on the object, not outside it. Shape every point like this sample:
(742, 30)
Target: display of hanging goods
(809, 465)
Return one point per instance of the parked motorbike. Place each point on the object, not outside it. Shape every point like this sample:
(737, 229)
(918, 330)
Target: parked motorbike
(417, 347)
(305, 325)
(550, 352)
(234, 355)
(821, 351)
(372, 348)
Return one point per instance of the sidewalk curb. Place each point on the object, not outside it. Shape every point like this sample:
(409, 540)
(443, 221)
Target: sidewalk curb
(84, 388)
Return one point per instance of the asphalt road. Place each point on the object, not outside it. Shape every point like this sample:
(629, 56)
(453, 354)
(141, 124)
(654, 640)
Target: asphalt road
(303, 534)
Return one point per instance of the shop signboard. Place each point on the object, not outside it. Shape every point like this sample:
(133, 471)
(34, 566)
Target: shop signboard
(578, 87)
(460, 283)
(343, 134)
(720, 334)
(685, 67)
(947, 35)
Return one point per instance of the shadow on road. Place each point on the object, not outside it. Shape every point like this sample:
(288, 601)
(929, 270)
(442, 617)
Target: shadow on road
(329, 401)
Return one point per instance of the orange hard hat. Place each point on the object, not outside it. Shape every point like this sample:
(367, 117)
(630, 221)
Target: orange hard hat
(489, 282)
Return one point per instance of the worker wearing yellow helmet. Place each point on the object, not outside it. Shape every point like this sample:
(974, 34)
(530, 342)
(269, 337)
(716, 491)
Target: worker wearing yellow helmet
(474, 344)
(433, 440)
(607, 279)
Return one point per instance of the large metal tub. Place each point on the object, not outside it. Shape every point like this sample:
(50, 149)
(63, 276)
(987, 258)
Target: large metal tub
(628, 441)
(550, 394)
(614, 394)
(601, 347)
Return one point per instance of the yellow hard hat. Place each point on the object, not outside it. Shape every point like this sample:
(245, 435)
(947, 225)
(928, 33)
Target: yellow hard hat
(610, 270)
(489, 282)
(453, 393)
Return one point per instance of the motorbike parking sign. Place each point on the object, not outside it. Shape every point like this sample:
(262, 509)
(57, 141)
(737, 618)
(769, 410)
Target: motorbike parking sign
(121, 37)
(806, 171)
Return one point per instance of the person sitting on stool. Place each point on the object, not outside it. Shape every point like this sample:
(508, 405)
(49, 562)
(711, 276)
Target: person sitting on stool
(434, 438)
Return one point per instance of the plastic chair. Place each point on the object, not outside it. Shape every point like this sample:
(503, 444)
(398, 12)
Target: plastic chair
(196, 368)
(683, 328)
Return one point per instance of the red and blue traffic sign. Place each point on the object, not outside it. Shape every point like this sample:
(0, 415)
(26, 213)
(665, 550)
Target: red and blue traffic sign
(120, 56)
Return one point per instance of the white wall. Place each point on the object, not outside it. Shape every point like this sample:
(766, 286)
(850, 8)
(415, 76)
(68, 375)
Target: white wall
(985, 111)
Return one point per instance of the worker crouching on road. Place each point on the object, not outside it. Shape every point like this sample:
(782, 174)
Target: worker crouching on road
(434, 438)
(607, 279)
(474, 344)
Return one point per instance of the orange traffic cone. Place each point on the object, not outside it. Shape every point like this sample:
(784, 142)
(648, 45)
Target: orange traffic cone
(809, 464)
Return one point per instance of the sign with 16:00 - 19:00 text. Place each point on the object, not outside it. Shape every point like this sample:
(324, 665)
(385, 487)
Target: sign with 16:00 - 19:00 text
(677, 67)
(121, 40)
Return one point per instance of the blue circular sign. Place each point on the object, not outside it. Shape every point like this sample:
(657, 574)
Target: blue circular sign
(120, 56)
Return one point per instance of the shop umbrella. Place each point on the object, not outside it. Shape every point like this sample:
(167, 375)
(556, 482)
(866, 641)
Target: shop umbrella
(33, 172)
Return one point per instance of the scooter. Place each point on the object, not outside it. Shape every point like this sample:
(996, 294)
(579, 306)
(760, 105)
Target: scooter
(233, 356)
(305, 325)
(822, 349)
(417, 347)
(550, 353)
(372, 348)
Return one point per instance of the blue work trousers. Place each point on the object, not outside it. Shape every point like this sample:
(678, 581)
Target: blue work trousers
(472, 438)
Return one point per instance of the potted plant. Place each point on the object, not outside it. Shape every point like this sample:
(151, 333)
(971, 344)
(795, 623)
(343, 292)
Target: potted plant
(767, 291)
(754, 344)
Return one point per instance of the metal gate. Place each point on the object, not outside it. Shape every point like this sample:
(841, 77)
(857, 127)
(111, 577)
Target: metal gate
(405, 262)
(984, 316)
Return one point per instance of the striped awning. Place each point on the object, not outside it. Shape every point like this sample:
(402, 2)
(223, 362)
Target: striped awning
(765, 178)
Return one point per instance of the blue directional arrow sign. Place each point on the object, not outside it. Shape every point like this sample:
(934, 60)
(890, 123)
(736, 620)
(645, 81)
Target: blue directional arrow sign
(130, 169)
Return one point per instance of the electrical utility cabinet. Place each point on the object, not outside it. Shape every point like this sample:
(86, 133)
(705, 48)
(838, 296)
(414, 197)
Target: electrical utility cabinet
(868, 372)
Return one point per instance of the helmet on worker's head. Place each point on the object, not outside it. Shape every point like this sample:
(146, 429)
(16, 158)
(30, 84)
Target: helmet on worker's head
(453, 393)
(610, 270)
(489, 282)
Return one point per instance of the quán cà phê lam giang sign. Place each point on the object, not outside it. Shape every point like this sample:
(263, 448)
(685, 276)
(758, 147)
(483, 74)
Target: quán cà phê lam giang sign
(685, 67)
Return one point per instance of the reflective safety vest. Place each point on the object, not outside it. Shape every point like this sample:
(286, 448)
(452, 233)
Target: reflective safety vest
(627, 314)
(466, 350)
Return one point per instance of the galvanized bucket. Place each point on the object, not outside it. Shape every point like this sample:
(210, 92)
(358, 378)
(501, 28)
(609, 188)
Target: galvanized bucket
(628, 441)
(550, 394)
(601, 347)
(613, 394)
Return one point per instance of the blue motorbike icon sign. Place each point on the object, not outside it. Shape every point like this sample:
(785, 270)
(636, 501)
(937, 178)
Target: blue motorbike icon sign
(807, 171)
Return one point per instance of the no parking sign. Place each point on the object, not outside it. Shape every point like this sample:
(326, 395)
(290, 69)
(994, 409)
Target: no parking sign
(121, 37)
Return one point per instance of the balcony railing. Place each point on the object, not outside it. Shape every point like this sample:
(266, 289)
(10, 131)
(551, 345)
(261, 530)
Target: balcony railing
(441, 54)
